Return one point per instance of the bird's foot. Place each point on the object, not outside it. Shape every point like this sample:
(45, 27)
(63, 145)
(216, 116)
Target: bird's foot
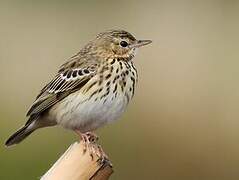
(103, 158)
(89, 140)
(90, 143)
(92, 137)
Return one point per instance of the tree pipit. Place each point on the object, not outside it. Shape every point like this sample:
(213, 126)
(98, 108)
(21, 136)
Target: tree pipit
(90, 90)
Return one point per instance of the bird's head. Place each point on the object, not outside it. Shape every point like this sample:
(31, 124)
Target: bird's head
(117, 43)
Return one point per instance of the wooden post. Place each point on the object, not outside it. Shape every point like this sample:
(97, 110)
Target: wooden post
(74, 164)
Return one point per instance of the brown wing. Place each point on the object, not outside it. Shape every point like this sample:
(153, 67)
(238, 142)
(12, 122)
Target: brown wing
(71, 77)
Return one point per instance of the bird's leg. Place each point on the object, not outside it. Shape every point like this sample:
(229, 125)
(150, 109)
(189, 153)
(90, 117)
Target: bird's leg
(85, 140)
(97, 149)
(92, 137)
(102, 156)
(89, 140)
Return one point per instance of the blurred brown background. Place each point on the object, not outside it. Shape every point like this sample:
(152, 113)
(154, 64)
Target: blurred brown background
(184, 121)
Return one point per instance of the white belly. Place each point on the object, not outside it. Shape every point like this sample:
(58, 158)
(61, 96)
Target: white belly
(75, 112)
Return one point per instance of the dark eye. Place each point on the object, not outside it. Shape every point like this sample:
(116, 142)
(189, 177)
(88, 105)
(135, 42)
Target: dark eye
(123, 43)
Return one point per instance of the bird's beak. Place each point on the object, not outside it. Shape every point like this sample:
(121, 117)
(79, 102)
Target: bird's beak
(140, 43)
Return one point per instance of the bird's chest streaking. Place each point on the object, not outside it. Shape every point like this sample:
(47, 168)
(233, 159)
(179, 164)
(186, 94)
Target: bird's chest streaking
(103, 99)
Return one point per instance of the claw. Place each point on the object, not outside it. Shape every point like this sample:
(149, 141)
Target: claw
(89, 140)
(103, 158)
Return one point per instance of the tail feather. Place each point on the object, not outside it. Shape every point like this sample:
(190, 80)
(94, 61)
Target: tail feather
(20, 135)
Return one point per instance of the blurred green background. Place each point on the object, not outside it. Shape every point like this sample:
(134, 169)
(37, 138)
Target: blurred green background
(183, 122)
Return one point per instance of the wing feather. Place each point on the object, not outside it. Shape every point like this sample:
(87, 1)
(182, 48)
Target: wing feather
(64, 83)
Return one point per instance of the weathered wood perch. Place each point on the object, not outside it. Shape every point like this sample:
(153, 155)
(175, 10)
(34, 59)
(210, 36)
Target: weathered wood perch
(76, 165)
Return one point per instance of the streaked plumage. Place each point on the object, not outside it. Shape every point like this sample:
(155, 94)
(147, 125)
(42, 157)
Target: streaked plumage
(91, 89)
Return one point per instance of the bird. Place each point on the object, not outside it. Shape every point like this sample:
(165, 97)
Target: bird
(91, 89)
